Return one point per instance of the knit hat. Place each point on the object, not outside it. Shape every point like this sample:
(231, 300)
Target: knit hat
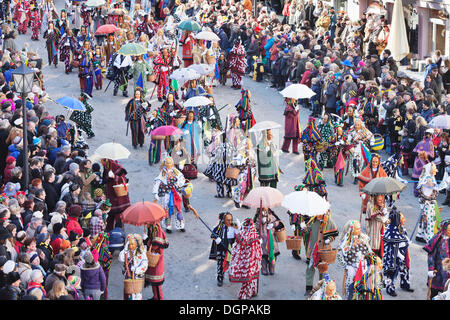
(11, 189)
(98, 192)
(74, 281)
(36, 141)
(35, 275)
(9, 266)
(12, 277)
(89, 258)
(33, 256)
(10, 160)
(75, 211)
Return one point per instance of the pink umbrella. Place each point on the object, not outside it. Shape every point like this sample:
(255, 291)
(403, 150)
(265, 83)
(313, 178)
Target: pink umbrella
(166, 131)
(263, 197)
(106, 28)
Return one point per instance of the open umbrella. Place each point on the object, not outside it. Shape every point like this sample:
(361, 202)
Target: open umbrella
(306, 203)
(142, 213)
(166, 131)
(264, 125)
(185, 74)
(106, 29)
(297, 91)
(95, 3)
(71, 103)
(207, 35)
(197, 101)
(265, 197)
(189, 25)
(113, 151)
(398, 38)
(132, 49)
(384, 185)
(440, 122)
(202, 68)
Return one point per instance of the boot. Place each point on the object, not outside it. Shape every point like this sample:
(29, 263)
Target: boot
(296, 255)
(115, 92)
(447, 199)
(271, 269)
(308, 290)
(264, 267)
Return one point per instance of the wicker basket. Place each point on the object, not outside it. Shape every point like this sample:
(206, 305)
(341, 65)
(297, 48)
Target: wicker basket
(280, 235)
(151, 77)
(232, 173)
(323, 267)
(132, 286)
(152, 258)
(121, 190)
(328, 255)
(158, 137)
(293, 242)
(178, 121)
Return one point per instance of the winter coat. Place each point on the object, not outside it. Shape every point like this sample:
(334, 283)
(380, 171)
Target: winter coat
(331, 95)
(7, 173)
(10, 293)
(93, 278)
(52, 277)
(51, 195)
(73, 225)
(24, 271)
(116, 239)
(13, 151)
(267, 47)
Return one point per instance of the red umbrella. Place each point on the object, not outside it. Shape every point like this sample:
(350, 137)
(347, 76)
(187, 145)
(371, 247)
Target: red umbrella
(106, 28)
(166, 131)
(142, 213)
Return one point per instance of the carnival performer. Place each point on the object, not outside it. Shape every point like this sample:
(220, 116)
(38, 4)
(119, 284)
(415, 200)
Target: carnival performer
(98, 63)
(354, 246)
(83, 119)
(110, 46)
(266, 223)
(372, 171)
(430, 215)
(135, 262)
(246, 175)
(310, 137)
(298, 224)
(369, 286)
(154, 152)
(135, 116)
(210, 151)
(191, 135)
(438, 249)
(339, 152)
(68, 50)
(86, 69)
(357, 135)
(193, 90)
(326, 129)
(292, 127)
(114, 174)
(21, 13)
(321, 231)
(171, 109)
(245, 260)
(325, 289)
(62, 24)
(187, 40)
(235, 134)
(210, 118)
(121, 66)
(52, 36)
(163, 68)
(167, 190)
(244, 109)
(35, 23)
(268, 165)
(376, 218)
(425, 153)
(156, 243)
(223, 237)
(139, 72)
(237, 64)
(396, 258)
(221, 158)
(313, 180)
(83, 36)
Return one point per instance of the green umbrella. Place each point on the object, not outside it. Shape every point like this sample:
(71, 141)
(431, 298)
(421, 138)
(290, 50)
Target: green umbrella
(132, 49)
(189, 25)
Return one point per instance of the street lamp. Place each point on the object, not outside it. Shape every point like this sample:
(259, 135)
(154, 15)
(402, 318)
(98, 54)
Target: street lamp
(23, 81)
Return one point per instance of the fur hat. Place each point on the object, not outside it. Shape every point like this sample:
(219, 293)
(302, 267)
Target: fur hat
(75, 210)
(98, 192)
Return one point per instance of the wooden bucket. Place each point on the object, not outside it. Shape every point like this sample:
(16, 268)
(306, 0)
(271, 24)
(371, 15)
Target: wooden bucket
(280, 235)
(323, 267)
(328, 255)
(293, 242)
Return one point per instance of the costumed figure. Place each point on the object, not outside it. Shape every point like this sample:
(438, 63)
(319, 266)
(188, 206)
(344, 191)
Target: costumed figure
(193, 90)
(244, 109)
(68, 50)
(191, 135)
(325, 289)
(52, 36)
(139, 72)
(245, 260)
(268, 165)
(35, 23)
(98, 63)
(373, 170)
(292, 127)
(167, 190)
(86, 69)
(396, 259)
(359, 137)
(156, 243)
(171, 110)
(62, 24)
(121, 66)
(247, 174)
(154, 152)
(369, 280)
(221, 158)
(163, 68)
(309, 138)
(83, 119)
(326, 129)
(425, 153)
(22, 9)
(237, 64)
(210, 118)
(223, 237)
(429, 209)
(376, 218)
(110, 46)
(313, 180)
(135, 116)
(135, 262)
(187, 40)
(339, 152)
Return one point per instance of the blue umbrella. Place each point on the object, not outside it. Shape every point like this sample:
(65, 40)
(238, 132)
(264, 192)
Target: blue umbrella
(71, 103)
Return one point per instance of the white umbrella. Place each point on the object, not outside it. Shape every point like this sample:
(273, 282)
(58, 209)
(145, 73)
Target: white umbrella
(197, 101)
(207, 35)
(185, 74)
(264, 125)
(95, 3)
(113, 151)
(440, 122)
(297, 91)
(306, 203)
(202, 68)
(398, 40)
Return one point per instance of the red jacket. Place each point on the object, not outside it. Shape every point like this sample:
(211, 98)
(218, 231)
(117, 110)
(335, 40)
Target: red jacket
(73, 225)
(187, 45)
(7, 173)
(306, 79)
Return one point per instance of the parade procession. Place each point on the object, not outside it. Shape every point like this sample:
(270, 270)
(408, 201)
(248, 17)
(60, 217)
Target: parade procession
(224, 150)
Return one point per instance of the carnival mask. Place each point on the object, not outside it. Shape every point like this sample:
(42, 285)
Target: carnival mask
(330, 288)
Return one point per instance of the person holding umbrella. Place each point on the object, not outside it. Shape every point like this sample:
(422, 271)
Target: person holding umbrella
(187, 40)
(134, 115)
(373, 170)
(139, 71)
(163, 68)
(83, 119)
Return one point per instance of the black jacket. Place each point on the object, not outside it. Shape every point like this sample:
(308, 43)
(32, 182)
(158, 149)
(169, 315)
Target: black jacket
(51, 195)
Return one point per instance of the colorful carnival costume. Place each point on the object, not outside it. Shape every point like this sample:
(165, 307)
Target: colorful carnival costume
(154, 152)
(339, 151)
(35, 24)
(246, 260)
(396, 260)
(52, 37)
(425, 153)
(325, 289)
(246, 175)
(139, 72)
(237, 64)
(292, 127)
(167, 190)
(187, 40)
(376, 217)
(268, 163)
(86, 70)
(221, 158)
(21, 15)
(314, 180)
(310, 137)
(98, 62)
(171, 109)
(372, 171)
(83, 119)
(67, 50)
(163, 68)
(244, 109)
(326, 130)
(369, 279)
(121, 65)
(156, 243)
(359, 137)
(191, 135)
(135, 116)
